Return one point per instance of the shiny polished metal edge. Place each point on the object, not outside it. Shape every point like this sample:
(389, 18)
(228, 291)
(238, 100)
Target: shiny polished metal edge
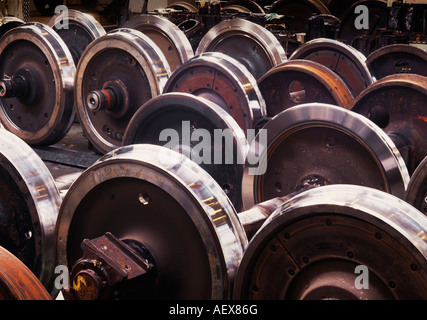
(352, 53)
(44, 194)
(329, 79)
(368, 133)
(235, 71)
(190, 101)
(143, 49)
(204, 200)
(391, 214)
(167, 29)
(64, 70)
(91, 25)
(271, 45)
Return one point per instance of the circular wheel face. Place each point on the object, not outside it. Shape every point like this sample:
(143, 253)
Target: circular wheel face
(197, 125)
(77, 29)
(165, 202)
(34, 59)
(224, 81)
(319, 144)
(302, 81)
(344, 60)
(8, 23)
(17, 282)
(396, 104)
(416, 194)
(324, 244)
(116, 75)
(397, 58)
(166, 35)
(29, 204)
(252, 45)
(301, 10)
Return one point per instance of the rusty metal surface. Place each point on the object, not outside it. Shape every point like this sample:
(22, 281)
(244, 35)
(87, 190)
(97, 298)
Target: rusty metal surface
(302, 81)
(396, 104)
(342, 59)
(17, 282)
(397, 58)
(310, 247)
(224, 81)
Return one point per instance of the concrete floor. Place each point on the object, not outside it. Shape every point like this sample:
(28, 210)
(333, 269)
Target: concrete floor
(67, 159)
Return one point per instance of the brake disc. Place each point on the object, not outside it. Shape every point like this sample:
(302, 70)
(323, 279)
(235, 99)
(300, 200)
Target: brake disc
(166, 35)
(77, 29)
(318, 144)
(115, 76)
(249, 43)
(29, 205)
(8, 23)
(161, 203)
(416, 194)
(202, 131)
(17, 282)
(224, 81)
(397, 58)
(324, 244)
(36, 90)
(396, 104)
(300, 10)
(342, 59)
(302, 81)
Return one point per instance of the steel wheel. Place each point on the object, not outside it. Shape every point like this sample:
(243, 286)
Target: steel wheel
(396, 104)
(311, 246)
(178, 111)
(36, 94)
(302, 81)
(82, 29)
(397, 58)
(342, 59)
(115, 76)
(252, 45)
(166, 35)
(163, 201)
(416, 194)
(8, 23)
(29, 202)
(224, 81)
(319, 144)
(16, 280)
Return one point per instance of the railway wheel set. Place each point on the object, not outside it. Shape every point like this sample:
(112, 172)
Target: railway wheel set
(233, 171)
